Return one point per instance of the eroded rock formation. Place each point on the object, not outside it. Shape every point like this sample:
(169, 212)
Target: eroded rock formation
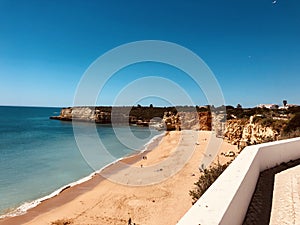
(88, 114)
(188, 120)
(243, 132)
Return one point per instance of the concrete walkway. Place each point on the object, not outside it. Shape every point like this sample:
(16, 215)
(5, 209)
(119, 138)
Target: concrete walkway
(286, 197)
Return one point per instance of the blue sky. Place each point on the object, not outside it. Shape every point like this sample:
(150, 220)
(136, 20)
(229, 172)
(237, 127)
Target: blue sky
(252, 47)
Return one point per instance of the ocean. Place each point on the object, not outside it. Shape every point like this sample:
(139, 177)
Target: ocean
(39, 156)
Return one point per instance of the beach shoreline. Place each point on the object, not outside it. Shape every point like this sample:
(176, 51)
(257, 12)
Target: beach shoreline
(23, 208)
(71, 198)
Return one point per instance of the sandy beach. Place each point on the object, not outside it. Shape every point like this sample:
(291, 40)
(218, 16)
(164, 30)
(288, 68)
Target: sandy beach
(144, 187)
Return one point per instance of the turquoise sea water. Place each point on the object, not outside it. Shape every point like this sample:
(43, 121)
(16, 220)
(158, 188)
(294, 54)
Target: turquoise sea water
(39, 155)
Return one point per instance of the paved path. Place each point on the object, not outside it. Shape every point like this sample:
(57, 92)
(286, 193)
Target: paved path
(286, 197)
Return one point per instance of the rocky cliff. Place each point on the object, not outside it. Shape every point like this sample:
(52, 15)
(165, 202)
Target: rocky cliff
(163, 119)
(100, 115)
(243, 132)
(88, 114)
(188, 120)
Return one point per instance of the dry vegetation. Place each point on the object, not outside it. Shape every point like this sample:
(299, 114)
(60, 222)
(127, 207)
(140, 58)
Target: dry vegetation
(207, 178)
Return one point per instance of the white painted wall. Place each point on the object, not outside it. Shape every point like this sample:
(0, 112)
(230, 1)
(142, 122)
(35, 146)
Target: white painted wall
(227, 200)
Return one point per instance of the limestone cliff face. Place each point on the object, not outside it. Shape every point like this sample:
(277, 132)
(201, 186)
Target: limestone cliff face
(245, 132)
(187, 120)
(88, 114)
(242, 132)
(234, 130)
(66, 113)
(102, 115)
(170, 121)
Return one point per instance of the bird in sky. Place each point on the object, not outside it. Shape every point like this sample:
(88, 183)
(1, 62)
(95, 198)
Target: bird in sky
(274, 2)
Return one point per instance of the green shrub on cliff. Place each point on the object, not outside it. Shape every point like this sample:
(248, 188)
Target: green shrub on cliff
(267, 122)
(292, 129)
(206, 179)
